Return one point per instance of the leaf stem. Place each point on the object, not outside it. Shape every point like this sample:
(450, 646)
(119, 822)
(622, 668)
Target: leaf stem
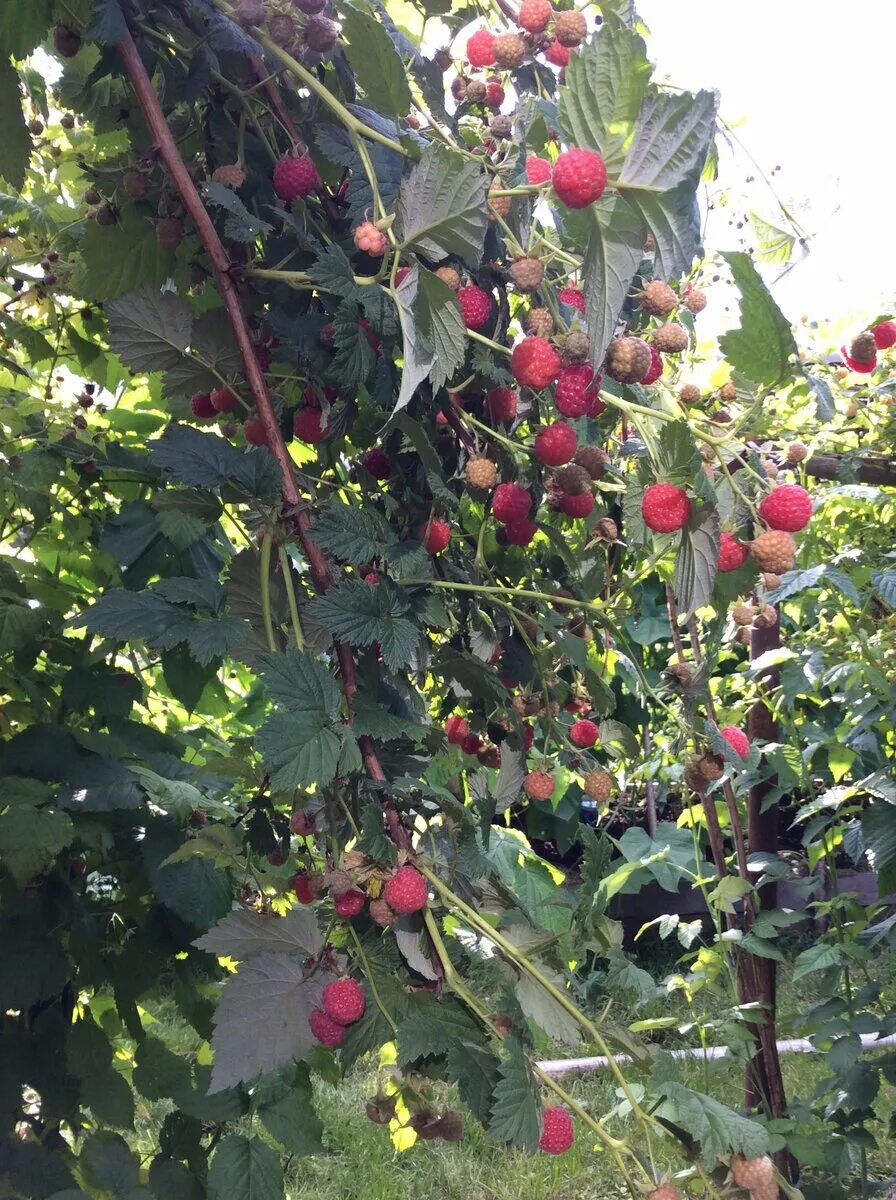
(291, 597)
(265, 588)
(368, 975)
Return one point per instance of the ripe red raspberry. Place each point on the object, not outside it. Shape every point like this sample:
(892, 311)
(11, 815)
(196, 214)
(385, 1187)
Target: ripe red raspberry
(343, 1001)
(863, 367)
(535, 363)
(557, 54)
(407, 890)
(456, 729)
(773, 551)
(736, 739)
(884, 335)
(573, 296)
(534, 15)
(475, 306)
(520, 533)
(754, 1174)
(308, 425)
(301, 885)
(556, 444)
(471, 744)
(201, 405)
(254, 432)
(325, 1029)
(665, 507)
(494, 96)
(370, 239)
(788, 507)
(500, 404)
(579, 178)
(376, 462)
(656, 366)
(732, 553)
(295, 177)
(349, 904)
(583, 733)
(576, 390)
(538, 170)
(481, 48)
(435, 536)
(598, 786)
(579, 506)
(570, 28)
(666, 1191)
(539, 785)
(510, 503)
(557, 1130)
(223, 400)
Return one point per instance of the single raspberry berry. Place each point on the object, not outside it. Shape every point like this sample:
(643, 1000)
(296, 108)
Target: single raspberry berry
(628, 359)
(694, 300)
(527, 274)
(594, 460)
(301, 885)
(861, 366)
(407, 891)
(475, 91)
(658, 298)
(574, 480)
(343, 1001)
(752, 1173)
(519, 533)
(481, 48)
(135, 184)
(690, 394)
(494, 96)
(797, 452)
(230, 176)
(770, 1192)
(308, 425)
(325, 1029)
(863, 348)
(575, 347)
(456, 729)
(435, 536)
(732, 553)
(224, 399)
(538, 170)
(570, 28)
(728, 392)
(349, 904)
(736, 739)
(381, 913)
(577, 507)
(500, 404)
(535, 363)
(301, 823)
(670, 338)
(376, 462)
(201, 406)
(788, 507)
(773, 551)
(884, 334)
(534, 15)
(370, 240)
(509, 50)
(475, 306)
(539, 785)
(295, 177)
(450, 276)
(471, 744)
(656, 366)
(481, 473)
(557, 1130)
(665, 507)
(583, 733)
(498, 206)
(321, 34)
(254, 432)
(666, 1191)
(598, 786)
(557, 54)
(556, 444)
(579, 178)
(573, 296)
(510, 503)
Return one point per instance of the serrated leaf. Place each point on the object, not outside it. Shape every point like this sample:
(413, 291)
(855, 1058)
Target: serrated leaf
(442, 206)
(109, 1163)
(440, 325)
(677, 455)
(244, 934)
(377, 66)
(718, 1130)
(19, 623)
(149, 330)
(292, 1121)
(794, 582)
(240, 225)
(30, 839)
(421, 441)
(22, 27)
(301, 684)
(612, 255)
(546, 1012)
(377, 722)
(825, 408)
(418, 356)
(333, 272)
(117, 259)
(299, 751)
(762, 347)
(206, 460)
(245, 1168)
(15, 145)
(356, 535)
(695, 564)
(670, 142)
(355, 357)
(373, 841)
(884, 583)
(771, 244)
(357, 613)
(516, 1111)
(107, 23)
(159, 1073)
(510, 779)
(433, 1028)
(475, 1070)
(410, 940)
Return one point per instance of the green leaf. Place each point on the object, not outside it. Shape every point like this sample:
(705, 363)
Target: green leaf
(23, 26)
(245, 1169)
(433, 1028)
(771, 244)
(475, 1070)
(762, 347)
(146, 617)
(149, 330)
(299, 751)
(819, 957)
(377, 66)
(195, 890)
(418, 356)
(206, 460)
(240, 225)
(540, 1006)
(442, 206)
(373, 841)
(825, 408)
(35, 1172)
(516, 1111)
(110, 1099)
(718, 1130)
(884, 583)
(159, 1073)
(173, 1180)
(677, 454)
(333, 272)
(695, 564)
(301, 684)
(245, 933)
(612, 256)
(357, 613)
(30, 839)
(109, 1162)
(440, 325)
(794, 582)
(15, 145)
(115, 260)
(353, 534)
(291, 1119)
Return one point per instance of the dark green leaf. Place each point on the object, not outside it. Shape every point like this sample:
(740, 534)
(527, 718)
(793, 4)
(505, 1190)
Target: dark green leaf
(884, 583)
(205, 460)
(109, 1097)
(356, 535)
(240, 225)
(300, 750)
(442, 206)
(117, 259)
(15, 145)
(22, 27)
(516, 1112)
(377, 67)
(360, 614)
(374, 841)
(160, 1074)
(245, 1169)
(718, 1130)
(355, 357)
(107, 23)
(172, 1180)
(30, 839)
(761, 349)
(612, 254)
(440, 325)
(695, 564)
(108, 1161)
(291, 1119)
(245, 933)
(149, 330)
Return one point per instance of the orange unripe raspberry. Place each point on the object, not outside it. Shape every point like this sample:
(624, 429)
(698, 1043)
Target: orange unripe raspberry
(728, 392)
(671, 338)
(658, 298)
(598, 786)
(230, 176)
(450, 276)
(509, 50)
(752, 1173)
(481, 473)
(527, 274)
(694, 300)
(570, 28)
(539, 785)
(773, 551)
(689, 394)
(498, 206)
(539, 322)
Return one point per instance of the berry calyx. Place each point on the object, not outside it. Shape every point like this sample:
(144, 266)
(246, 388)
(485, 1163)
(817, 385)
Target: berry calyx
(736, 739)
(732, 553)
(583, 733)
(343, 1001)
(435, 536)
(481, 48)
(481, 473)
(556, 444)
(500, 404)
(579, 178)
(557, 1130)
(349, 903)
(456, 729)
(407, 891)
(475, 306)
(539, 785)
(370, 240)
(538, 170)
(788, 507)
(510, 503)
(535, 363)
(325, 1029)
(295, 178)
(534, 15)
(665, 507)
(310, 426)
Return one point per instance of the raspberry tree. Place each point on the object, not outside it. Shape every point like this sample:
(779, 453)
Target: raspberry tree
(349, 463)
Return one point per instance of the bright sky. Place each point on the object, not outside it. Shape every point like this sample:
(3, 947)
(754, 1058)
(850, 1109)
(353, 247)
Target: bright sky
(808, 86)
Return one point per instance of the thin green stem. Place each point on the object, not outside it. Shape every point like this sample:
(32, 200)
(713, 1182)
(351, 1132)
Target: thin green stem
(291, 597)
(368, 975)
(479, 337)
(265, 588)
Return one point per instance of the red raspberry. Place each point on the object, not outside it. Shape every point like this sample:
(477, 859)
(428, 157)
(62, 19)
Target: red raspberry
(534, 15)
(254, 432)
(557, 1130)
(301, 823)
(500, 404)
(520, 533)
(573, 296)
(556, 444)
(666, 1191)
(349, 904)
(295, 177)
(576, 390)
(435, 536)
(481, 48)
(301, 885)
(732, 553)
(475, 306)
(528, 736)
(656, 366)
(863, 367)
(788, 507)
(539, 785)
(223, 400)
(456, 729)
(557, 54)
(510, 503)
(308, 426)
(494, 97)
(325, 1029)
(578, 506)
(579, 178)
(665, 507)
(538, 170)
(535, 363)
(407, 891)
(884, 334)
(201, 405)
(343, 1001)
(370, 239)
(376, 462)
(584, 733)
(736, 739)
(471, 744)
